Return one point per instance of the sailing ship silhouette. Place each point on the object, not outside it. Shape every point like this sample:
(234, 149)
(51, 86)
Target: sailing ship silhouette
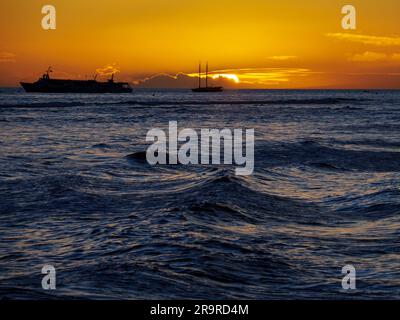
(206, 88)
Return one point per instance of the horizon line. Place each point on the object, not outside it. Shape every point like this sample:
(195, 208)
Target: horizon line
(239, 89)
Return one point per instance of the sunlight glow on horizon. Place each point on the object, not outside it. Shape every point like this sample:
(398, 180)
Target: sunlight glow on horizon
(233, 77)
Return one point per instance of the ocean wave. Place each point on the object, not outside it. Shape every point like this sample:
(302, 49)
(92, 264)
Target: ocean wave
(376, 205)
(368, 142)
(55, 104)
(322, 156)
(163, 103)
(76, 191)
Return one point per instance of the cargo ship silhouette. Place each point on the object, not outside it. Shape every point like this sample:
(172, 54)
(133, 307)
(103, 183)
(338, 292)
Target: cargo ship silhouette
(206, 88)
(47, 85)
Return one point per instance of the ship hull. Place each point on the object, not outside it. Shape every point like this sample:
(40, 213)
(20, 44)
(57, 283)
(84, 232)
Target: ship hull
(72, 86)
(208, 89)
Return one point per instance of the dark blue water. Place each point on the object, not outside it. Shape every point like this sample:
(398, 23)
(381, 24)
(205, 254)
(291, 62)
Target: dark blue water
(325, 193)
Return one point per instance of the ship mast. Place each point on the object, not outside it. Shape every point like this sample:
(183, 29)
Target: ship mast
(200, 74)
(47, 74)
(207, 75)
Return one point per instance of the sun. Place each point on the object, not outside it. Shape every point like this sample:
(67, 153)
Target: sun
(229, 76)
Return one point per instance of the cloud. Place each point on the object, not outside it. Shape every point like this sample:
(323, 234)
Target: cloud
(7, 57)
(375, 56)
(180, 80)
(366, 39)
(282, 58)
(163, 80)
(228, 78)
(108, 70)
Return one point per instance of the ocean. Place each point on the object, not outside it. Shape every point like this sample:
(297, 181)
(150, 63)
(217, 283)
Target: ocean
(324, 194)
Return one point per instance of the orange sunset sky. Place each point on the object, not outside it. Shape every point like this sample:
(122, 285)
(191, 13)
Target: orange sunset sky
(158, 43)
